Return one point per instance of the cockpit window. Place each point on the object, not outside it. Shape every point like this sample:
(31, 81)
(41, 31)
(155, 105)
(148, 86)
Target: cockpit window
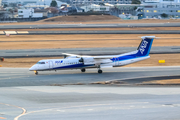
(40, 63)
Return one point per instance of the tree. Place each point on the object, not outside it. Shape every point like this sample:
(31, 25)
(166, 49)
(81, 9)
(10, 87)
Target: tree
(53, 3)
(164, 15)
(136, 2)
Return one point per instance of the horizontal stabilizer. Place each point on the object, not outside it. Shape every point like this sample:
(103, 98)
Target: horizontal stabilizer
(149, 37)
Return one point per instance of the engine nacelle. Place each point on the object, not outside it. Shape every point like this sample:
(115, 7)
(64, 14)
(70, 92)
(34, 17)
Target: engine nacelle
(88, 60)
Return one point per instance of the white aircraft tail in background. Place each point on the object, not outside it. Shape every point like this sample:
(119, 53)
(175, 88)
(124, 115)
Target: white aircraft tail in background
(99, 62)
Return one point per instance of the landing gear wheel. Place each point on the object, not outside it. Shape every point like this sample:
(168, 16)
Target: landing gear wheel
(100, 71)
(83, 70)
(36, 72)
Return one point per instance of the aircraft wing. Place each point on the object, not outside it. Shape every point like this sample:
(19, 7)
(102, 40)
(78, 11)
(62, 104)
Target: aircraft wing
(75, 55)
(95, 57)
(103, 57)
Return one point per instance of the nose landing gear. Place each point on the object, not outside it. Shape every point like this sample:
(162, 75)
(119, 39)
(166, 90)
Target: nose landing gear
(36, 72)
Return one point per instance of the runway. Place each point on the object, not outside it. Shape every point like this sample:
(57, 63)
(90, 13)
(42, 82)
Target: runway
(91, 32)
(122, 25)
(27, 96)
(25, 53)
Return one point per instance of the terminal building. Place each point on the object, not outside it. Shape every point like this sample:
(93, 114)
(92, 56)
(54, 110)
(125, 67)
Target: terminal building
(160, 9)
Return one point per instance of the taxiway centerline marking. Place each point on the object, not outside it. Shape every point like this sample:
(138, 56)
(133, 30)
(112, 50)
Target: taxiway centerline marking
(24, 110)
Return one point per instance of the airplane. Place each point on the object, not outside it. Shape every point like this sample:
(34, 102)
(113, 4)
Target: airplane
(82, 62)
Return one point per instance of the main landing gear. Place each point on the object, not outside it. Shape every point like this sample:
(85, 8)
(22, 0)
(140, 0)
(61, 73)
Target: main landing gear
(36, 72)
(100, 71)
(83, 70)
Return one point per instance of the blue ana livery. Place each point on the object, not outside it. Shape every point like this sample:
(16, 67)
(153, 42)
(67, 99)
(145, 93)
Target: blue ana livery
(83, 62)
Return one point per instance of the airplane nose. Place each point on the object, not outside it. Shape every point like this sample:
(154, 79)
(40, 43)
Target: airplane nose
(32, 68)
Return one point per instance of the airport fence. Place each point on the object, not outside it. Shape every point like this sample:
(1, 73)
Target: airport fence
(21, 19)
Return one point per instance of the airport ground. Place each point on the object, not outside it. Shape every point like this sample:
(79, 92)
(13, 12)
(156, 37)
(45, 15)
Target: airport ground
(170, 60)
(72, 95)
(82, 41)
(86, 41)
(96, 22)
(94, 29)
(144, 90)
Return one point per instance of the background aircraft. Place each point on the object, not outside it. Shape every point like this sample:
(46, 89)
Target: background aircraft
(99, 62)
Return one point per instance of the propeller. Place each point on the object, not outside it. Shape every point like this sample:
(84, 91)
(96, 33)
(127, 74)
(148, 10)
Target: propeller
(81, 60)
(65, 56)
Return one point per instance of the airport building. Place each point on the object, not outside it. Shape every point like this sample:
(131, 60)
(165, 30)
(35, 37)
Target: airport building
(161, 9)
(95, 7)
(166, 11)
(78, 2)
(28, 13)
(32, 2)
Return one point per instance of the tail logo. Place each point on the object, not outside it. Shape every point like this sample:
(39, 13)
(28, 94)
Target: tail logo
(143, 46)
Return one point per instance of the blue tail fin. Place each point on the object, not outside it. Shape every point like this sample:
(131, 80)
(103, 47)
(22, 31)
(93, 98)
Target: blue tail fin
(145, 46)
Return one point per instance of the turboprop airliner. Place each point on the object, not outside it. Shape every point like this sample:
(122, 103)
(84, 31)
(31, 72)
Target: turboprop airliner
(85, 62)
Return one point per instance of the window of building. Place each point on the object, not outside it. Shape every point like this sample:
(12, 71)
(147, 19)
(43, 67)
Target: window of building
(21, 16)
(168, 0)
(103, 9)
(178, 11)
(155, 10)
(20, 11)
(147, 10)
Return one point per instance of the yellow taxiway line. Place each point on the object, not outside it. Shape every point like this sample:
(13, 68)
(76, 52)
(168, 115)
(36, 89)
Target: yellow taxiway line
(2, 118)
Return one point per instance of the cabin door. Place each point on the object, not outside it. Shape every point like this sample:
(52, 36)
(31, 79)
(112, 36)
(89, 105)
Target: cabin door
(116, 61)
(50, 64)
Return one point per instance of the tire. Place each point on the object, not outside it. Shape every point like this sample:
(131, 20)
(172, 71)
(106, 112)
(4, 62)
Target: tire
(100, 71)
(83, 70)
(36, 73)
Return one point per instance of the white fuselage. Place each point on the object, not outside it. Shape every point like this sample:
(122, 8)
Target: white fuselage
(100, 62)
(73, 63)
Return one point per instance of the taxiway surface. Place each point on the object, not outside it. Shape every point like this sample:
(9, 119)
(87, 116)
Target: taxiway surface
(25, 96)
(92, 32)
(82, 51)
(22, 77)
(90, 102)
(124, 25)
